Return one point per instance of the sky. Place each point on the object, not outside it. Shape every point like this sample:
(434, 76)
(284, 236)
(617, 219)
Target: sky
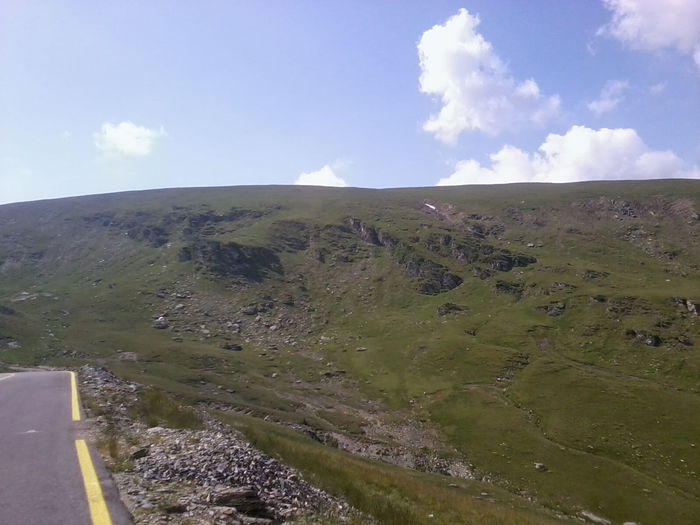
(99, 96)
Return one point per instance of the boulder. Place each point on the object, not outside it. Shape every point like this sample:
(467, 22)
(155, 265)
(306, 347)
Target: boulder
(245, 499)
(161, 323)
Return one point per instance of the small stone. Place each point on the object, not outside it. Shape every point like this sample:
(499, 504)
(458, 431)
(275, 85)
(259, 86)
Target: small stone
(140, 453)
(176, 508)
(161, 323)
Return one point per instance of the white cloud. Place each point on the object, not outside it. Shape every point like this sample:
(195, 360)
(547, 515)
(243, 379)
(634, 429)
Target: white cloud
(652, 25)
(657, 89)
(580, 154)
(323, 177)
(126, 138)
(610, 97)
(477, 92)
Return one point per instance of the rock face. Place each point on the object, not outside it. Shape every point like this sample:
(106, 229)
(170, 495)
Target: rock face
(231, 259)
(433, 278)
(470, 250)
(510, 288)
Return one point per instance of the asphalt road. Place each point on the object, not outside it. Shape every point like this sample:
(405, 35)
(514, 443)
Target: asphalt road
(42, 481)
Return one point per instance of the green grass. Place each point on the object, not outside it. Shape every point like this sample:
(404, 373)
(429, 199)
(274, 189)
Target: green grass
(154, 408)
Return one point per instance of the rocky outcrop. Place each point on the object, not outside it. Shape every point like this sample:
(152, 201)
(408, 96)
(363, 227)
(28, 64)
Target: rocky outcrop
(231, 259)
(644, 337)
(204, 222)
(139, 226)
(553, 309)
(509, 288)
(589, 275)
(687, 305)
(470, 250)
(451, 308)
(433, 278)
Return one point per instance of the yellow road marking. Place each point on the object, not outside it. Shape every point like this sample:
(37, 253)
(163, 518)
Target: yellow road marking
(6, 377)
(75, 407)
(96, 502)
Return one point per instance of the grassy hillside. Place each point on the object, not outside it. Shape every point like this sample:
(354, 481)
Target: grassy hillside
(542, 338)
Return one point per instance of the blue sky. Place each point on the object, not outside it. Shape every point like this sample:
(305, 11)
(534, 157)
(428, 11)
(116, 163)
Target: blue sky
(99, 96)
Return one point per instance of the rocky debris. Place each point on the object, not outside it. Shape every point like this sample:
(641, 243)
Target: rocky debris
(262, 485)
(692, 307)
(646, 338)
(198, 477)
(554, 309)
(250, 310)
(619, 307)
(418, 454)
(562, 287)
(477, 224)
(594, 274)
(619, 209)
(451, 308)
(197, 316)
